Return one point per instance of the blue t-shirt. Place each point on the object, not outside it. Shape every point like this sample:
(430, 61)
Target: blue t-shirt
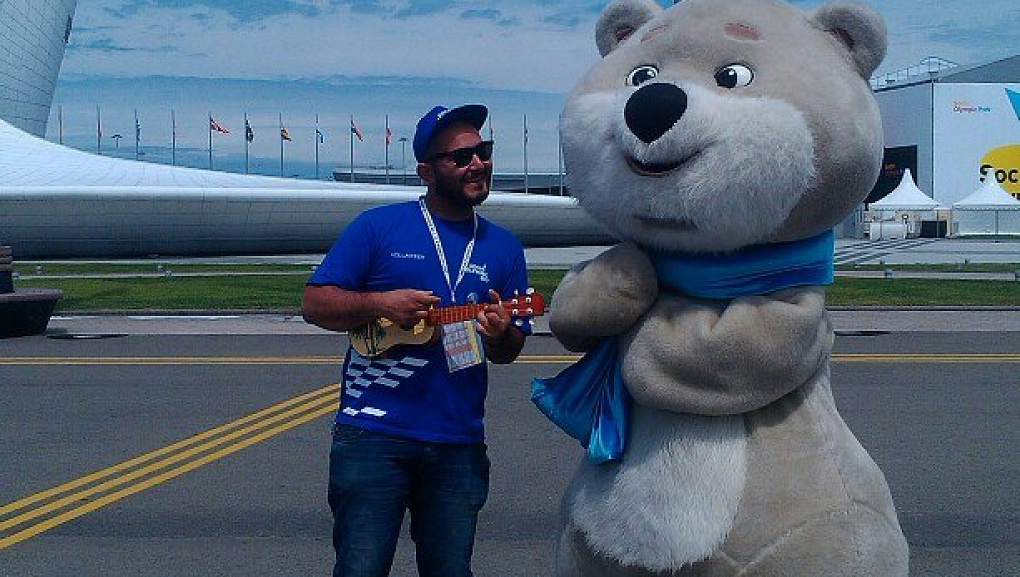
(410, 391)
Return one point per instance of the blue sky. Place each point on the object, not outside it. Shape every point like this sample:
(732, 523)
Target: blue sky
(332, 57)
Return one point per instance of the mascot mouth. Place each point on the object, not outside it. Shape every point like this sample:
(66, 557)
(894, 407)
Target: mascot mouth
(653, 169)
(656, 168)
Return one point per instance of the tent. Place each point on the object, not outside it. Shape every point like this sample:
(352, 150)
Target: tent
(904, 202)
(988, 210)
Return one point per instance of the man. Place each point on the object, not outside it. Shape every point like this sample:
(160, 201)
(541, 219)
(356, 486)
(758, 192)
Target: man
(409, 434)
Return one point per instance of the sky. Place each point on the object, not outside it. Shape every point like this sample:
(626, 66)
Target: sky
(369, 59)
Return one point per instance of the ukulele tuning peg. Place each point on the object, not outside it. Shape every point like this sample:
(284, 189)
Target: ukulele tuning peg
(516, 292)
(519, 322)
(529, 291)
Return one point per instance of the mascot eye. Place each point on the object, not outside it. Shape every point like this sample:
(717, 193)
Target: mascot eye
(734, 75)
(642, 74)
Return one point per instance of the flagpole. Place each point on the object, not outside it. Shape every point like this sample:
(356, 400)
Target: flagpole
(317, 146)
(138, 135)
(387, 149)
(525, 153)
(210, 139)
(99, 131)
(173, 138)
(352, 147)
(60, 123)
(246, 143)
(559, 157)
(281, 145)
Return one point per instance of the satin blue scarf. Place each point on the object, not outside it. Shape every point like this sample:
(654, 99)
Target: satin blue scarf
(589, 401)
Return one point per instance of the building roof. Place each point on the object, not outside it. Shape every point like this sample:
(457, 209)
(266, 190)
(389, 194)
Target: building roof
(1005, 71)
(934, 69)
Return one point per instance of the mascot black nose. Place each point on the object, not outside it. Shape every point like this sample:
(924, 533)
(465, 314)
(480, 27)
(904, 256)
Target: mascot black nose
(654, 109)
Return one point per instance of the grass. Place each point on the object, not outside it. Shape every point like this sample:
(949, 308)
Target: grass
(283, 291)
(940, 267)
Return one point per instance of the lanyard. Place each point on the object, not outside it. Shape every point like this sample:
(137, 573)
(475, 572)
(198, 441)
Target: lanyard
(442, 254)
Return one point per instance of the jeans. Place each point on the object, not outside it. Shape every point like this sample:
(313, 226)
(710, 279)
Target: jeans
(374, 478)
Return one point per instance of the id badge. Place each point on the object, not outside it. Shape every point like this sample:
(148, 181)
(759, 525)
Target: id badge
(462, 344)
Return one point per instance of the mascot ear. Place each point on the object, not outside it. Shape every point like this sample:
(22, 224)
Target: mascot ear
(620, 19)
(859, 29)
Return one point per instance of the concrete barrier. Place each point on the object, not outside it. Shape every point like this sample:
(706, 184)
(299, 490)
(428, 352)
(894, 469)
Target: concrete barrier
(23, 312)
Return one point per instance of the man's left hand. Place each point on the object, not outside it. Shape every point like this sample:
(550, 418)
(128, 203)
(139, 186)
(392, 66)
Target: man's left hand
(493, 320)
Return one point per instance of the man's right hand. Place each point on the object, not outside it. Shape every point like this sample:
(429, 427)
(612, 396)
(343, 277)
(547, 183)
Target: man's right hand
(406, 307)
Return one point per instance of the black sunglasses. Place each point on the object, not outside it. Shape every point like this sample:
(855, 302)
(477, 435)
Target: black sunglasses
(463, 156)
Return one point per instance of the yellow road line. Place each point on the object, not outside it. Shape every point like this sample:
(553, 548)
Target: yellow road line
(301, 412)
(329, 403)
(926, 358)
(523, 359)
(189, 466)
(21, 361)
(21, 503)
(842, 358)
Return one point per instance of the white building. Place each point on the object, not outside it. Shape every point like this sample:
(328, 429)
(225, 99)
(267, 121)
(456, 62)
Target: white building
(33, 34)
(952, 126)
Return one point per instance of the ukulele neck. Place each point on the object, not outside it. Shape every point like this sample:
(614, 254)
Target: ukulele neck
(453, 314)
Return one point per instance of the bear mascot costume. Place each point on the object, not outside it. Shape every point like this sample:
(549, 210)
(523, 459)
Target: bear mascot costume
(721, 141)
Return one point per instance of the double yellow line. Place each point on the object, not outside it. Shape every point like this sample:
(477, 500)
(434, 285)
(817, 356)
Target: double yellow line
(42, 511)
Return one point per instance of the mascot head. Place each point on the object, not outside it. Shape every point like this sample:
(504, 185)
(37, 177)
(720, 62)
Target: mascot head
(715, 125)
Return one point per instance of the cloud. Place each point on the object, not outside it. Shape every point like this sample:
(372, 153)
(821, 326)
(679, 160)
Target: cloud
(529, 44)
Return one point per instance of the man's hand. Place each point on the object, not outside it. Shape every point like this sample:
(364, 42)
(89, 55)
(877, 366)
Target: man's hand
(493, 320)
(337, 309)
(503, 342)
(406, 307)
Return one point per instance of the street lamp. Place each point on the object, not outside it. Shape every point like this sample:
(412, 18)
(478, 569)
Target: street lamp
(403, 162)
(116, 138)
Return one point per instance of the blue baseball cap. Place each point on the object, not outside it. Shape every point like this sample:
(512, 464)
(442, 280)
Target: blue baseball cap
(439, 118)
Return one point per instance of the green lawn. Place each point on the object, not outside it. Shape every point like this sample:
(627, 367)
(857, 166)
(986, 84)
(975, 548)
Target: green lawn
(283, 291)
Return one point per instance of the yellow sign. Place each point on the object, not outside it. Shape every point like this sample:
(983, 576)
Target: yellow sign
(1003, 164)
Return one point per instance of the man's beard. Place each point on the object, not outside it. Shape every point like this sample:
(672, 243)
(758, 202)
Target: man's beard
(453, 192)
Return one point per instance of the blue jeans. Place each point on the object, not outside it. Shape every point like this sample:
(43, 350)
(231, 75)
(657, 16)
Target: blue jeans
(374, 478)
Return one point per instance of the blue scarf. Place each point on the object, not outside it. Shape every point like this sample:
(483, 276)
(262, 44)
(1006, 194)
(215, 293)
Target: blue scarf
(588, 399)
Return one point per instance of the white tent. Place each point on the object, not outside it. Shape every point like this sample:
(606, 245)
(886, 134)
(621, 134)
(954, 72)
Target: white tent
(897, 213)
(988, 210)
(905, 197)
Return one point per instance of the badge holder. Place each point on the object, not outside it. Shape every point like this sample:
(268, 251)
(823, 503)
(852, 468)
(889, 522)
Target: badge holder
(462, 345)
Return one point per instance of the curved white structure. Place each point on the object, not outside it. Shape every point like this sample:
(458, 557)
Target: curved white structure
(60, 202)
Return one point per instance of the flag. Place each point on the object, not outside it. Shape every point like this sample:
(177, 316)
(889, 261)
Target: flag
(99, 124)
(213, 125)
(249, 134)
(318, 134)
(284, 134)
(389, 136)
(138, 130)
(356, 131)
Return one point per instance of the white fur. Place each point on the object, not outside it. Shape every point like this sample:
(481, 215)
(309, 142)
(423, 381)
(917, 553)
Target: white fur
(752, 161)
(673, 498)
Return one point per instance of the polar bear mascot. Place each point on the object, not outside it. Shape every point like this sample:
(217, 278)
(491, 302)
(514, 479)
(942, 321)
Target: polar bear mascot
(721, 141)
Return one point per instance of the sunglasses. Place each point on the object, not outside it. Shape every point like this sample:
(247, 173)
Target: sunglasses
(463, 156)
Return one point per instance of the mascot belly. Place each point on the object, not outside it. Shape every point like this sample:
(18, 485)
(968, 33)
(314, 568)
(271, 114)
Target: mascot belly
(721, 140)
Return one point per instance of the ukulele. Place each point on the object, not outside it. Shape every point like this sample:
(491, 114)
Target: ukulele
(374, 338)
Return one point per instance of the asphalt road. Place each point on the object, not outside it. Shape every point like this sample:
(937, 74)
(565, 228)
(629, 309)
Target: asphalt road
(222, 442)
